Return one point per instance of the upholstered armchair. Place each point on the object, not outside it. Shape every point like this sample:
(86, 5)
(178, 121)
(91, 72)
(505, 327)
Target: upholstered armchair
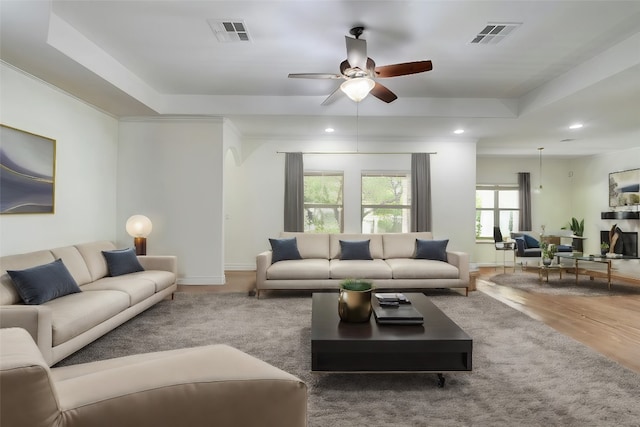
(528, 247)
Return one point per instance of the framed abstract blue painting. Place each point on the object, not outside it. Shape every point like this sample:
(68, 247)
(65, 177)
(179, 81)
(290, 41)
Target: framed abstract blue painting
(27, 172)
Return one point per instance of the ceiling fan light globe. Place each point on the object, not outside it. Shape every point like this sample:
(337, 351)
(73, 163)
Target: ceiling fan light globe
(357, 88)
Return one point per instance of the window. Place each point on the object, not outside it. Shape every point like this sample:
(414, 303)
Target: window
(386, 202)
(323, 202)
(496, 206)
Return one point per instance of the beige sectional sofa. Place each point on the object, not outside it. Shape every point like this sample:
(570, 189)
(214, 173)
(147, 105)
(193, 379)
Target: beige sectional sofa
(63, 325)
(201, 386)
(393, 266)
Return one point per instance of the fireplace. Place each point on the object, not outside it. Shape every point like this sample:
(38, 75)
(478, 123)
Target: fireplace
(629, 242)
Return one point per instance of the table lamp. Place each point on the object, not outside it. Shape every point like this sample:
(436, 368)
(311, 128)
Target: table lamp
(139, 227)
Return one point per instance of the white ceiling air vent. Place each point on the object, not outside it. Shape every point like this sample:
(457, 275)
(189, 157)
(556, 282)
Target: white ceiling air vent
(229, 30)
(494, 32)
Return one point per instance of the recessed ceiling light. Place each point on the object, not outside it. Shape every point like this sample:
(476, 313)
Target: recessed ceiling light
(575, 126)
(458, 131)
(329, 130)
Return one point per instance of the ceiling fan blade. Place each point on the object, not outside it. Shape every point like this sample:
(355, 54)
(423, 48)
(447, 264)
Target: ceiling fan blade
(383, 94)
(356, 52)
(403, 69)
(344, 65)
(314, 76)
(335, 95)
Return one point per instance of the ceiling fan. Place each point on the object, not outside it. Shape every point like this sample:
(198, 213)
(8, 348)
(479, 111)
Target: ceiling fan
(359, 71)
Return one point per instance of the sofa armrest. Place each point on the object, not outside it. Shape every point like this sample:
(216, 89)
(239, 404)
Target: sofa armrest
(159, 262)
(461, 261)
(35, 319)
(263, 261)
(194, 386)
(520, 247)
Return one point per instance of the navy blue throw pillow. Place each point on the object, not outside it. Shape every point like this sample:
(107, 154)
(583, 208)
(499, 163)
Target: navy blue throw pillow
(432, 249)
(284, 249)
(122, 261)
(531, 242)
(37, 285)
(355, 249)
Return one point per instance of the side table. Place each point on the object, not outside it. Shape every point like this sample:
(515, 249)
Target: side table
(504, 247)
(543, 270)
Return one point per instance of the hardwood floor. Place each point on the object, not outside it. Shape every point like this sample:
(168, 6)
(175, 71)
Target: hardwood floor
(609, 325)
(237, 282)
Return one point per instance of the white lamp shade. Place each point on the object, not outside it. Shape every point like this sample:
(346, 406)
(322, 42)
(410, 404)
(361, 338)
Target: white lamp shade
(139, 226)
(357, 88)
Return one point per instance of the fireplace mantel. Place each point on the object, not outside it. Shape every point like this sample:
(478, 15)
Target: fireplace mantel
(620, 215)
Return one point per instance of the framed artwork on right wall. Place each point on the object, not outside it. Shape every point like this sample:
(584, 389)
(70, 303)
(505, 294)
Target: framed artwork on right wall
(624, 188)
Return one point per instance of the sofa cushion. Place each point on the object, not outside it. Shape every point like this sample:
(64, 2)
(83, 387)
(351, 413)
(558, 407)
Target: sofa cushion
(407, 268)
(122, 261)
(531, 242)
(37, 285)
(74, 314)
(355, 249)
(402, 245)
(284, 249)
(310, 245)
(531, 253)
(92, 255)
(360, 269)
(162, 279)
(8, 292)
(299, 269)
(432, 249)
(375, 243)
(136, 287)
(74, 263)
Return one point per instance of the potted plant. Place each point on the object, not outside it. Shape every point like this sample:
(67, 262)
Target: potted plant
(548, 251)
(604, 248)
(354, 301)
(577, 228)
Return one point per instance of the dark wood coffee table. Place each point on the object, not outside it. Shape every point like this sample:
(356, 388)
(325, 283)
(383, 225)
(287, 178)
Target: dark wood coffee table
(439, 345)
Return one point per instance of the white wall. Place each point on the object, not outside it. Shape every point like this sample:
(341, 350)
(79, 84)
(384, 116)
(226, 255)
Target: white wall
(171, 170)
(255, 212)
(591, 192)
(86, 152)
(571, 188)
(552, 207)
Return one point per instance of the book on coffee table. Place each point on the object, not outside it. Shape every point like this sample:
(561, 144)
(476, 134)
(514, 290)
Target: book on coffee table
(391, 297)
(404, 314)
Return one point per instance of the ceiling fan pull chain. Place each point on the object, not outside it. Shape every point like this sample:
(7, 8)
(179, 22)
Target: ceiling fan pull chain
(357, 125)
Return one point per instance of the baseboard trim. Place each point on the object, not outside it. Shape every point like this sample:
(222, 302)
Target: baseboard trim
(202, 280)
(240, 267)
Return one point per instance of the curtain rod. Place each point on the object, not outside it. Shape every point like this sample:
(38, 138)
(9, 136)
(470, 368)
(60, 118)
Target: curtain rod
(356, 152)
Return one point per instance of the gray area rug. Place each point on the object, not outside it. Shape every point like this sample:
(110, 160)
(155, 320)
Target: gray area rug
(528, 281)
(524, 373)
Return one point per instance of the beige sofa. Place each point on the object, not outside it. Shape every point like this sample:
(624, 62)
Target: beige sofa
(393, 266)
(203, 386)
(64, 325)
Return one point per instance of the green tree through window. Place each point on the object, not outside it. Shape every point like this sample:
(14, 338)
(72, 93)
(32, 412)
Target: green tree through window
(386, 202)
(323, 202)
